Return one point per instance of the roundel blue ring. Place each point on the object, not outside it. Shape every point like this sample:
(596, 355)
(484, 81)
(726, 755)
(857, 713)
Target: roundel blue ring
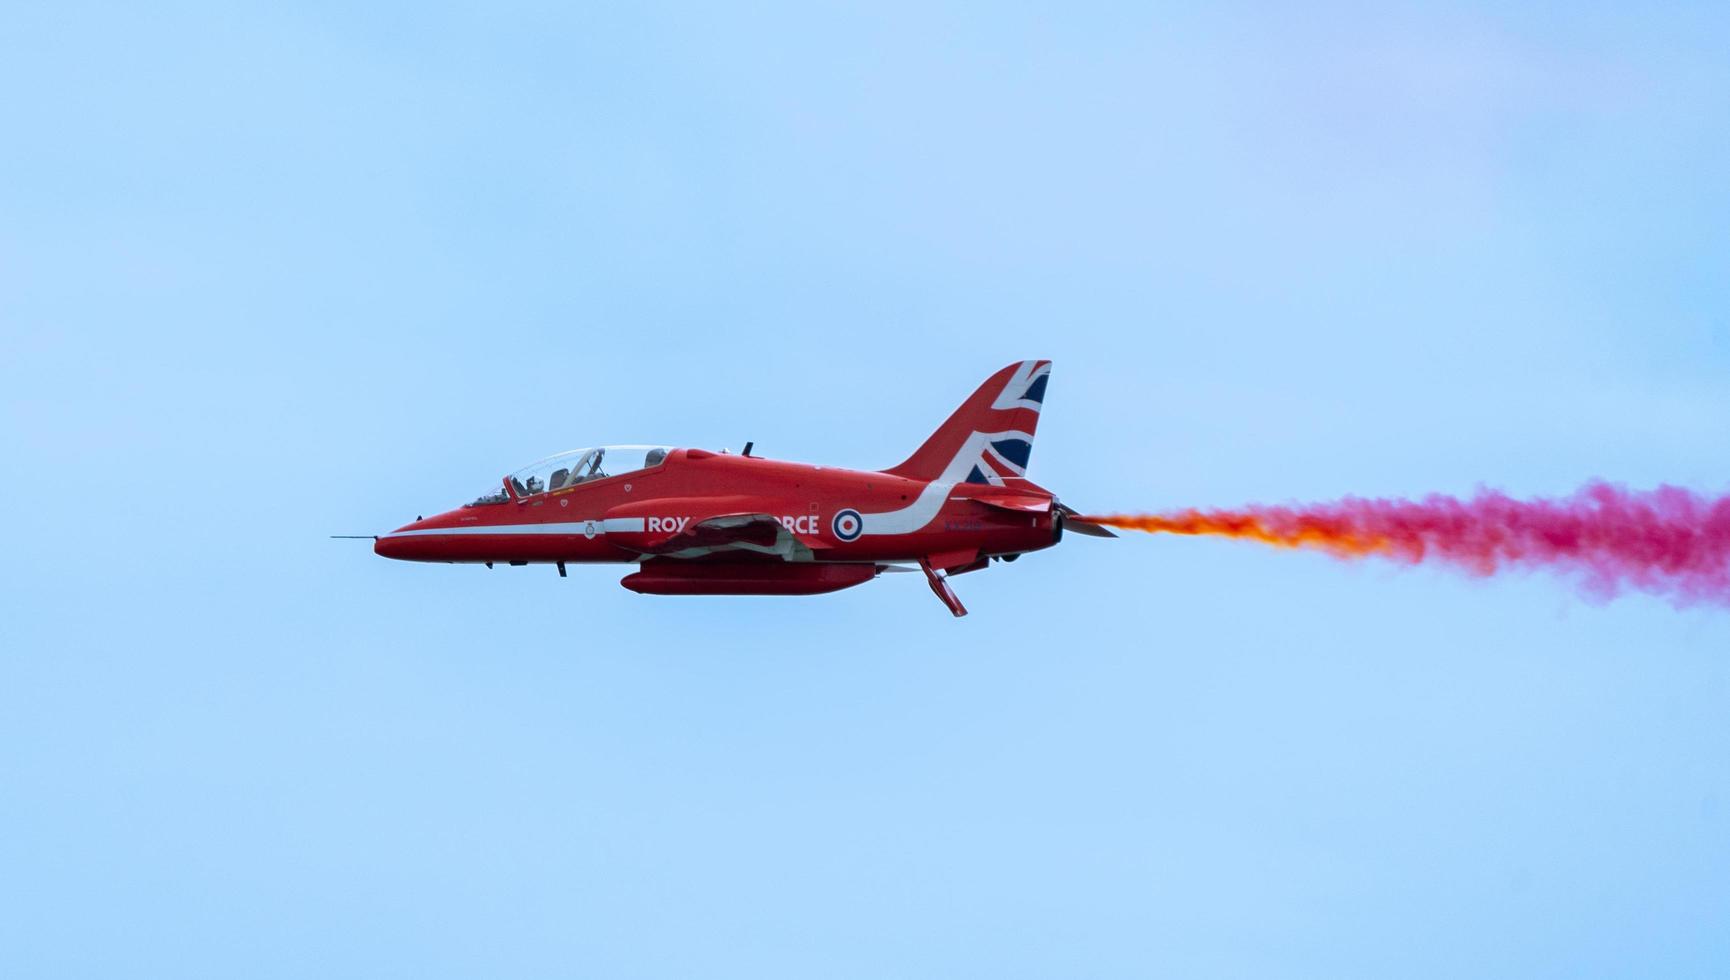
(858, 524)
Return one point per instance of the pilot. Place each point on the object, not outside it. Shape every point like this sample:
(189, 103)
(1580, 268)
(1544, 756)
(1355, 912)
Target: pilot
(654, 457)
(534, 484)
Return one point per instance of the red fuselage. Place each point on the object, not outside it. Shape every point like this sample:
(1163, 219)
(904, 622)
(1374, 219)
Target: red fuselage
(634, 516)
(703, 523)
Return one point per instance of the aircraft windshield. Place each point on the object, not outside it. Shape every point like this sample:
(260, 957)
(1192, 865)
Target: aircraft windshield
(582, 466)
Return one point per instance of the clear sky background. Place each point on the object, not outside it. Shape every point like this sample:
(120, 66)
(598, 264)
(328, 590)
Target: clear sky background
(273, 272)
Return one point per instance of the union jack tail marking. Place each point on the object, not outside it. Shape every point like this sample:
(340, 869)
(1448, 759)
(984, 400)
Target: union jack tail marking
(990, 437)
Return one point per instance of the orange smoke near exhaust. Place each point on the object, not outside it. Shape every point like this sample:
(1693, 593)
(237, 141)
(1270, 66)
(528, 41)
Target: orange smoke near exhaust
(1305, 531)
(1667, 541)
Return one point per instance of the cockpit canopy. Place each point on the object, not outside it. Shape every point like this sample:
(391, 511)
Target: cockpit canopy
(568, 469)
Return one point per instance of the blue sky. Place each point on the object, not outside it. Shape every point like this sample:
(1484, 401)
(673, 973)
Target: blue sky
(269, 274)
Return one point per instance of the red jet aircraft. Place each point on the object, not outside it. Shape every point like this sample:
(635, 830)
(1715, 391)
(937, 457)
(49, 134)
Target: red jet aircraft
(696, 522)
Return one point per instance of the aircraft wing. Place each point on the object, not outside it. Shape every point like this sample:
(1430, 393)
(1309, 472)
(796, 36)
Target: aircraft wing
(723, 532)
(713, 525)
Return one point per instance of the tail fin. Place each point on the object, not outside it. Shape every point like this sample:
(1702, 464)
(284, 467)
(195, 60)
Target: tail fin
(990, 437)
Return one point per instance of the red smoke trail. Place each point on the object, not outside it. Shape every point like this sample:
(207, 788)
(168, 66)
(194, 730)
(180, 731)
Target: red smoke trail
(1669, 541)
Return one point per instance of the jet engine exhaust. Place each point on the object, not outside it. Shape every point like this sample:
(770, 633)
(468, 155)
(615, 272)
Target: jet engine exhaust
(1668, 541)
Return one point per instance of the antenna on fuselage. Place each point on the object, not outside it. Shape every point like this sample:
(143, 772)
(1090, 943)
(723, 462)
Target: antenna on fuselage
(747, 450)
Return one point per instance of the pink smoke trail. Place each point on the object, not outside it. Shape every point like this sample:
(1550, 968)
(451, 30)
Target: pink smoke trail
(1669, 541)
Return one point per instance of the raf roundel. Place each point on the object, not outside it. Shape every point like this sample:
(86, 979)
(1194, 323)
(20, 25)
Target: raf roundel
(848, 525)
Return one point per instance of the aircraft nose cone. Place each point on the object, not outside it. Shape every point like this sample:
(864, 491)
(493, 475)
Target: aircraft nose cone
(395, 544)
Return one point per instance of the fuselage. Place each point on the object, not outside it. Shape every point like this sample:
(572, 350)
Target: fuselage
(830, 514)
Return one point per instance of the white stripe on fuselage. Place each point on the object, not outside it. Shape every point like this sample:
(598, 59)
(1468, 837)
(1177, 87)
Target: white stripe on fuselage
(922, 511)
(613, 525)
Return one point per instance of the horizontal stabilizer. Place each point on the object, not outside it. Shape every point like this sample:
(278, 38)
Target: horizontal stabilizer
(1020, 503)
